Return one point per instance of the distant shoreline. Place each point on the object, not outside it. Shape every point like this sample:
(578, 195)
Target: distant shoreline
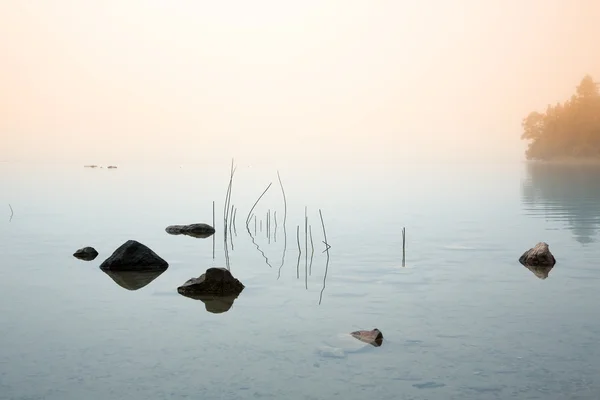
(568, 161)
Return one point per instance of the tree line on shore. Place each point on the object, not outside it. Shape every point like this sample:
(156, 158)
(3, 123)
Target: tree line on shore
(569, 130)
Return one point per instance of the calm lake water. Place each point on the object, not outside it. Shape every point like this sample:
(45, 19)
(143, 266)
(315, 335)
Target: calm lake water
(461, 320)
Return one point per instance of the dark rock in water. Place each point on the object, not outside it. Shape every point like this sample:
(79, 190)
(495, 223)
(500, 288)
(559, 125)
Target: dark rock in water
(374, 337)
(111, 167)
(538, 256)
(214, 282)
(90, 166)
(215, 304)
(86, 254)
(134, 256)
(199, 231)
(133, 280)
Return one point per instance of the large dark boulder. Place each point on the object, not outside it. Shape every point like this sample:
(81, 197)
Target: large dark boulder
(86, 254)
(133, 280)
(214, 282)
(134, 256)
(538, 256)
(200, 231)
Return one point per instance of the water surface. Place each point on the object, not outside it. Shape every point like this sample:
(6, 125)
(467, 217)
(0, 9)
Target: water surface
(461, 320)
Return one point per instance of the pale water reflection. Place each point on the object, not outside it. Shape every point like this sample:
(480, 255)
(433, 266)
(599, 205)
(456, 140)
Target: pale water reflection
(565, 193)
(462, 320)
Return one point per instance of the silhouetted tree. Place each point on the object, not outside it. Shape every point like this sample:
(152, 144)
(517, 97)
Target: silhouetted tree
(568, 130)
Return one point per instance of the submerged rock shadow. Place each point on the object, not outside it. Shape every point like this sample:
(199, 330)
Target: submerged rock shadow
(133, 280)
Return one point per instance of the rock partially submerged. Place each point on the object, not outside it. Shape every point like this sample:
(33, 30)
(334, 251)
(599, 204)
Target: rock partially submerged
(112, 167)
(86, 254)
(214, 282)
(133, 280)
(373, 337)
(200, 231)
(134, 256)
(341, 345)
(538, 256)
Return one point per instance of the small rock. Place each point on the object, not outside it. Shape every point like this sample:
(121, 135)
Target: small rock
(111, 167)
(90, 166)
(538, 256)
(374, 337)
(134, 256)
(86, 254)
(214, 282)
(200, 231)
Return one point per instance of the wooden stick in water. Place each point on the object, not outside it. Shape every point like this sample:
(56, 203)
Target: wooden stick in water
(299, 251)
(306, 247)
(312, 252)
(275, 230)
(213, 228)
(231, 220)
(260, 197)
(403, 247)
(234, 215)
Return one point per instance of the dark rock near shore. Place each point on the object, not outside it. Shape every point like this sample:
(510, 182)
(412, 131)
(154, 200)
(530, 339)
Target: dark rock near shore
(214, 282)
(133, 280)
(86, 254)
(199, 231)
(373, 337)
(134, 256)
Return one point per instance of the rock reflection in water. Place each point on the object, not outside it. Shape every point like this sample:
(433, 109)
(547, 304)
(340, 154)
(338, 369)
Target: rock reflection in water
(214, 304)
(540, 271)
(133, 280)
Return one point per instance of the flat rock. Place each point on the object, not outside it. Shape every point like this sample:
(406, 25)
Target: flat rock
(86, 254)
(342, 344)
(134, 256)
(373, 337)
(214, 282)
(200, 230)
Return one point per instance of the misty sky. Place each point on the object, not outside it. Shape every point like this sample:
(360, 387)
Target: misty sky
(110, 81)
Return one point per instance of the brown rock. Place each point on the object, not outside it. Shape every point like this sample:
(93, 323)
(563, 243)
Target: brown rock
(538, 256)
(374, 337)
